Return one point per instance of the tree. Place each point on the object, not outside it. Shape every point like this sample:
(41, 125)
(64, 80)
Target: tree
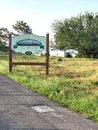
(4, 35)
(21, 27)
(3, 39)
(79, 33)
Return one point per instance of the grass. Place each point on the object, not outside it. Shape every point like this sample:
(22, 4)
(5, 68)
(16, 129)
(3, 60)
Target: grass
(73, 83)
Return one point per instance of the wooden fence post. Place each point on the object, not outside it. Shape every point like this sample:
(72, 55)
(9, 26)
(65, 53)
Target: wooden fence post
(47, 54)
(10, 53)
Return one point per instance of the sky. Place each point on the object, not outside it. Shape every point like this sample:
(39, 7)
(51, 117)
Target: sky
(41, 14)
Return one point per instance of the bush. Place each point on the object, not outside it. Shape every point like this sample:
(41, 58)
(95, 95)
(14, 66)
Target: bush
(3, 48)
(59, 58)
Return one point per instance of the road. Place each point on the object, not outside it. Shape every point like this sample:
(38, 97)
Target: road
(22, 109)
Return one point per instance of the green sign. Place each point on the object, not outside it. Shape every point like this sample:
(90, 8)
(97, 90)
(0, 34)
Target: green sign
(28, 43)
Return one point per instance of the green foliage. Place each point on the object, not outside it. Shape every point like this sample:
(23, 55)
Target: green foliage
(3, 48)
(21, 27)
(3, 35)
(59, 58)
(80, 33)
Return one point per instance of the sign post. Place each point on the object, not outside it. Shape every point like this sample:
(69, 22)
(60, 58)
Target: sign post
(10, 53)
(47, 54)
(29, 42)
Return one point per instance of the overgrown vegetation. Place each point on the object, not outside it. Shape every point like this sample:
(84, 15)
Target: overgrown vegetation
(73, 83)
(79, 33)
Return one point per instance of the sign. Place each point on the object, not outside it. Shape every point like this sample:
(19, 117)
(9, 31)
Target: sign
(28, 44)
(22, 41)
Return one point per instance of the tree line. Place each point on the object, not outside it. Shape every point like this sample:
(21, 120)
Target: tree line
(79, 33)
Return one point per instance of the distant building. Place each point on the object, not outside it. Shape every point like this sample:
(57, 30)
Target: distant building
(57, 52)
(62, 53)
(72, 52)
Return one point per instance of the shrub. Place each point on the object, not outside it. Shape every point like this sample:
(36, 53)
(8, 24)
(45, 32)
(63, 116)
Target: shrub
(59, 58)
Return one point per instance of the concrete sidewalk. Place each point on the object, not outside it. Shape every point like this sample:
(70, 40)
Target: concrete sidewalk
(21, 109)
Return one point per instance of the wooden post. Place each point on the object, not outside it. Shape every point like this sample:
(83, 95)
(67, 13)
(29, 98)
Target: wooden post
(47, 54)
(10, 53)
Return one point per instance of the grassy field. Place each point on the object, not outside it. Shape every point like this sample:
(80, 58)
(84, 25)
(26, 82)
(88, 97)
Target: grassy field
(73, 82)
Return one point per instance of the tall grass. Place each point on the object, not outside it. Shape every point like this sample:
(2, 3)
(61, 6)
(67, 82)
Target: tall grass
(73, 83)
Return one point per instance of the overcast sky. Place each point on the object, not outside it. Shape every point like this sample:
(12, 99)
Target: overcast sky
(40, 14)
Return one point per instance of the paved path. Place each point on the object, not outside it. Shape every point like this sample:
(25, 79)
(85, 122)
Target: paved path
(16, 112)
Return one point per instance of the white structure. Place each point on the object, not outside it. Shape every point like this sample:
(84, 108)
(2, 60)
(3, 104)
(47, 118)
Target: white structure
(57, 52)
(72, 52)
(62, 53)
